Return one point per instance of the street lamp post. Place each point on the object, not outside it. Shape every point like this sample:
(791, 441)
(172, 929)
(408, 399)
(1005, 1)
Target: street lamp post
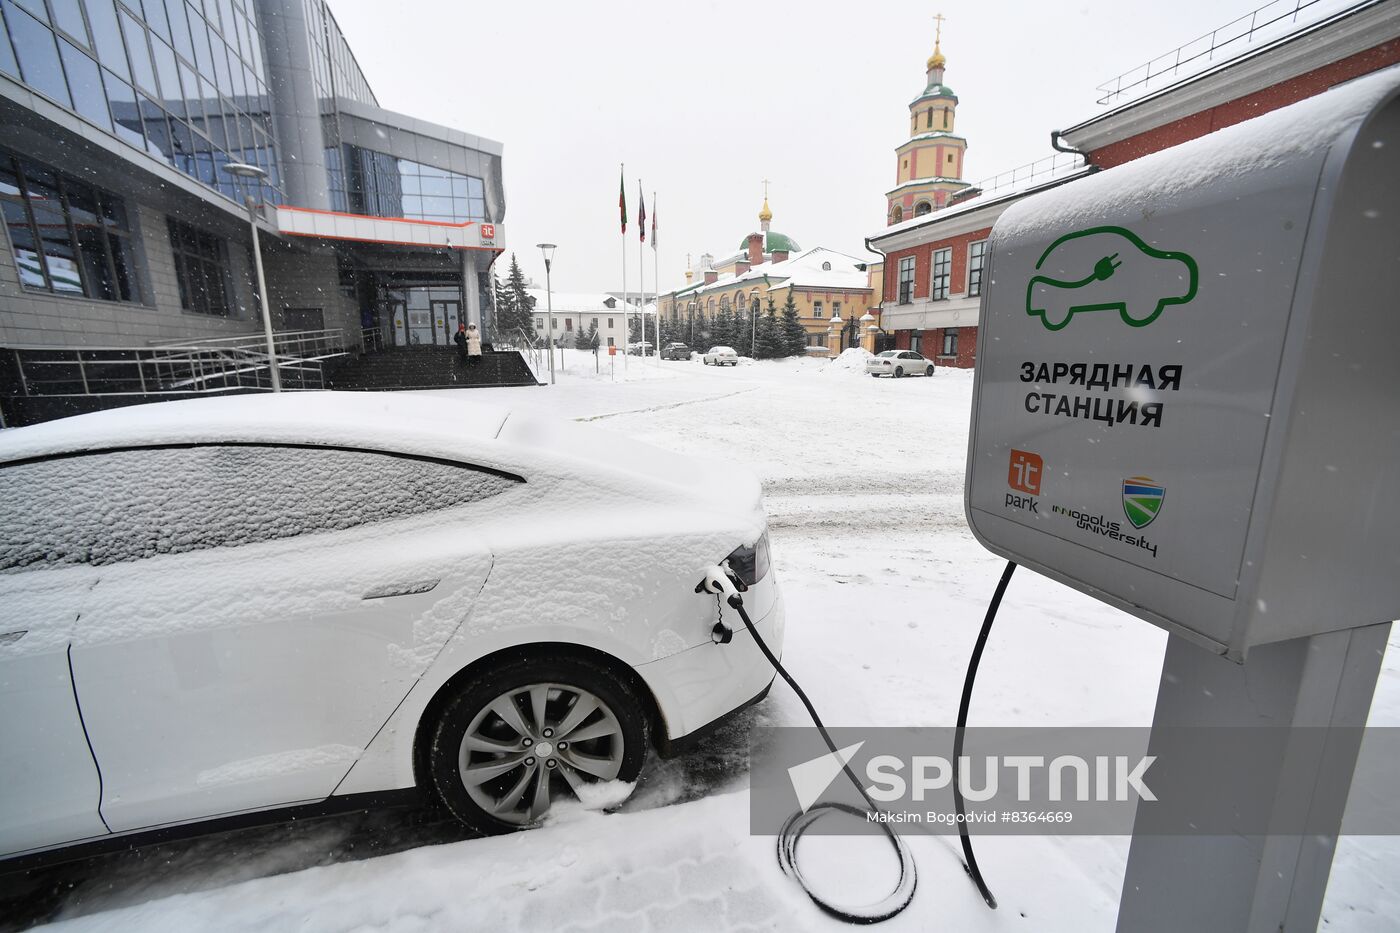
(253, 173)
(548, 250)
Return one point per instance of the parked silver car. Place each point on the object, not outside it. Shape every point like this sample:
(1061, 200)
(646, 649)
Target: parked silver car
(721, 356)
(899, 363)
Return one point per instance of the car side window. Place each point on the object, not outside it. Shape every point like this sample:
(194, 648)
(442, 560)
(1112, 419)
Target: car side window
(109, 507)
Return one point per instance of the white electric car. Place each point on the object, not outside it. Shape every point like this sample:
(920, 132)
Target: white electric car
(228, 607)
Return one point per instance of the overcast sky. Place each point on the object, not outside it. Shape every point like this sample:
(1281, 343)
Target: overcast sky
(705, 100)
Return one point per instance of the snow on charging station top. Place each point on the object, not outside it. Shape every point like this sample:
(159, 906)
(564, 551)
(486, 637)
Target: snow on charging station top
(1176, 358)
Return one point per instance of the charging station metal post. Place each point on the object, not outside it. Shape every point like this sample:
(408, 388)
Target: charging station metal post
(1187, 406)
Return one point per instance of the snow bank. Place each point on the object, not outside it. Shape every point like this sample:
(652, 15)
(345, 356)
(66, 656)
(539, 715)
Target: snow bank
(851, 360)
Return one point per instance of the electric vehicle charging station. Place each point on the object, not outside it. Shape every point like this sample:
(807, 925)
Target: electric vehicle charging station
(1187, 405)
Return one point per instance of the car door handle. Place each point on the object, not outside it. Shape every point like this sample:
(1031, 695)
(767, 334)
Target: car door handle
(401, 589)
(9, 638)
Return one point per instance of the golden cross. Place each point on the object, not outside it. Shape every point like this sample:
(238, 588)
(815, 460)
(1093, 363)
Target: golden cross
(765, 189)
(938, 28)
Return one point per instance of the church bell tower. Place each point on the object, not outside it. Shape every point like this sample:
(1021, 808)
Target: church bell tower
(929, 165)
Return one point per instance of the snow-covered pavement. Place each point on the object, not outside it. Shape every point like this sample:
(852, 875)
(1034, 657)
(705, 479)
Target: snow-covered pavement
(886, 588)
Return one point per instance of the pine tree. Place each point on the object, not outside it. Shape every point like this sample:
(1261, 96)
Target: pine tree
(745, 324)
(722, 330)
(794, 335)
(586, 340)
(768, 337)
(504, 313)
(515, 308)
(698, 333)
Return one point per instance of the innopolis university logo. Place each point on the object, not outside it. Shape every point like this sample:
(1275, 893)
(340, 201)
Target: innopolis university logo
(1107, 269)
(1142, 500)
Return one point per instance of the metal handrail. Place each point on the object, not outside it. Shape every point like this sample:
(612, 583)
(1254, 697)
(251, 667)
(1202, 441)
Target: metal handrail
(371, 339)
(1203, 52)
(222, 365)
(257, 339)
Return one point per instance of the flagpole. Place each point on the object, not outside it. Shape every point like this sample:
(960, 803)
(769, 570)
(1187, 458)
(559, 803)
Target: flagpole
(656, 278)
(625, 330)
(641, 274)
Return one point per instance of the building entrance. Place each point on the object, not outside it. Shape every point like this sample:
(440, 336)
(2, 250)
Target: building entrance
(422, 316)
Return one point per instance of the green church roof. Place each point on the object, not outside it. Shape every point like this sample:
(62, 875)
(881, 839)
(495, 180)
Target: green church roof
(776, 242)
(936, 90)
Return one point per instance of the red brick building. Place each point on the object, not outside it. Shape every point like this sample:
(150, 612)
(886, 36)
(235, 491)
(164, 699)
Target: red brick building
(932, 267)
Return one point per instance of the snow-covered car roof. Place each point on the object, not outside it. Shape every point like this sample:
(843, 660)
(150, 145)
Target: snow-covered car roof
(377, 420)
(405, 423)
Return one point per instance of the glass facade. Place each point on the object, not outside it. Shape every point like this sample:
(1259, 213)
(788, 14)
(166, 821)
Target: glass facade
(333, 65)
(182, 80)
(363, 181)
(67, 236)
(201, 268)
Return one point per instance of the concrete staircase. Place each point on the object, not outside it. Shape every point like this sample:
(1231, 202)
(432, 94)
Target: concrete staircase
(429, 368)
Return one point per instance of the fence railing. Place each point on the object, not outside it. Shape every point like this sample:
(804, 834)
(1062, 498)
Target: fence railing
(1059, 165)
(1274, 20)
(216, 366)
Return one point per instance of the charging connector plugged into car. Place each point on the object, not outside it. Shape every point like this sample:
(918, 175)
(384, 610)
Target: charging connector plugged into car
(724, 582)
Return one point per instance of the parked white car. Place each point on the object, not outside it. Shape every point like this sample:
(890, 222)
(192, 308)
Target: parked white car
(237, 605)
(721, 356)
(899, 363)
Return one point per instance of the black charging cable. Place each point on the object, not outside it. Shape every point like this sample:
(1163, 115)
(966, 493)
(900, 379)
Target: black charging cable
(715, 582)
(969, 859)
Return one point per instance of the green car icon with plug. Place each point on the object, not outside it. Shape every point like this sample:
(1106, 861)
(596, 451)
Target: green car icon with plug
(1108, 269)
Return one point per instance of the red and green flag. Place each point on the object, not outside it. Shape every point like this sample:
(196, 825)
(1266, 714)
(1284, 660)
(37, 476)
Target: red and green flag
(622, 200)
(641, 211)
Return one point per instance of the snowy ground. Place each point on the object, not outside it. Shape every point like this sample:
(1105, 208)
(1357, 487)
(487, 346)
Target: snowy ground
(886, 589)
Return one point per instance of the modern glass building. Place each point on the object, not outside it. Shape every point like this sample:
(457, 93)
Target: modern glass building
(123, 228)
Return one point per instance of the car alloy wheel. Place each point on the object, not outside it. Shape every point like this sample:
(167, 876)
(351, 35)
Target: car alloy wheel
(898, 372)
(929, 371)
(512, 743)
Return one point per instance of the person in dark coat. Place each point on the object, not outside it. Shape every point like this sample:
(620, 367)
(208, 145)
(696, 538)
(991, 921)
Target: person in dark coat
(460, 338)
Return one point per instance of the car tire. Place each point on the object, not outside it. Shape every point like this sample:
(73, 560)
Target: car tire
(898, 372)
(929, 371)
(616, 752)
(874, 375)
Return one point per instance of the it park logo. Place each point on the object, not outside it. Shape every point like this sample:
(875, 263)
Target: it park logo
(1142, 500)
(1023, 475)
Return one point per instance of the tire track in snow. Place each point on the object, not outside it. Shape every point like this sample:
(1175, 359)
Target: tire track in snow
(643, 411)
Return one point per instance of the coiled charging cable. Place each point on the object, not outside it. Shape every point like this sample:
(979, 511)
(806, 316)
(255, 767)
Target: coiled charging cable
(722, 582)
